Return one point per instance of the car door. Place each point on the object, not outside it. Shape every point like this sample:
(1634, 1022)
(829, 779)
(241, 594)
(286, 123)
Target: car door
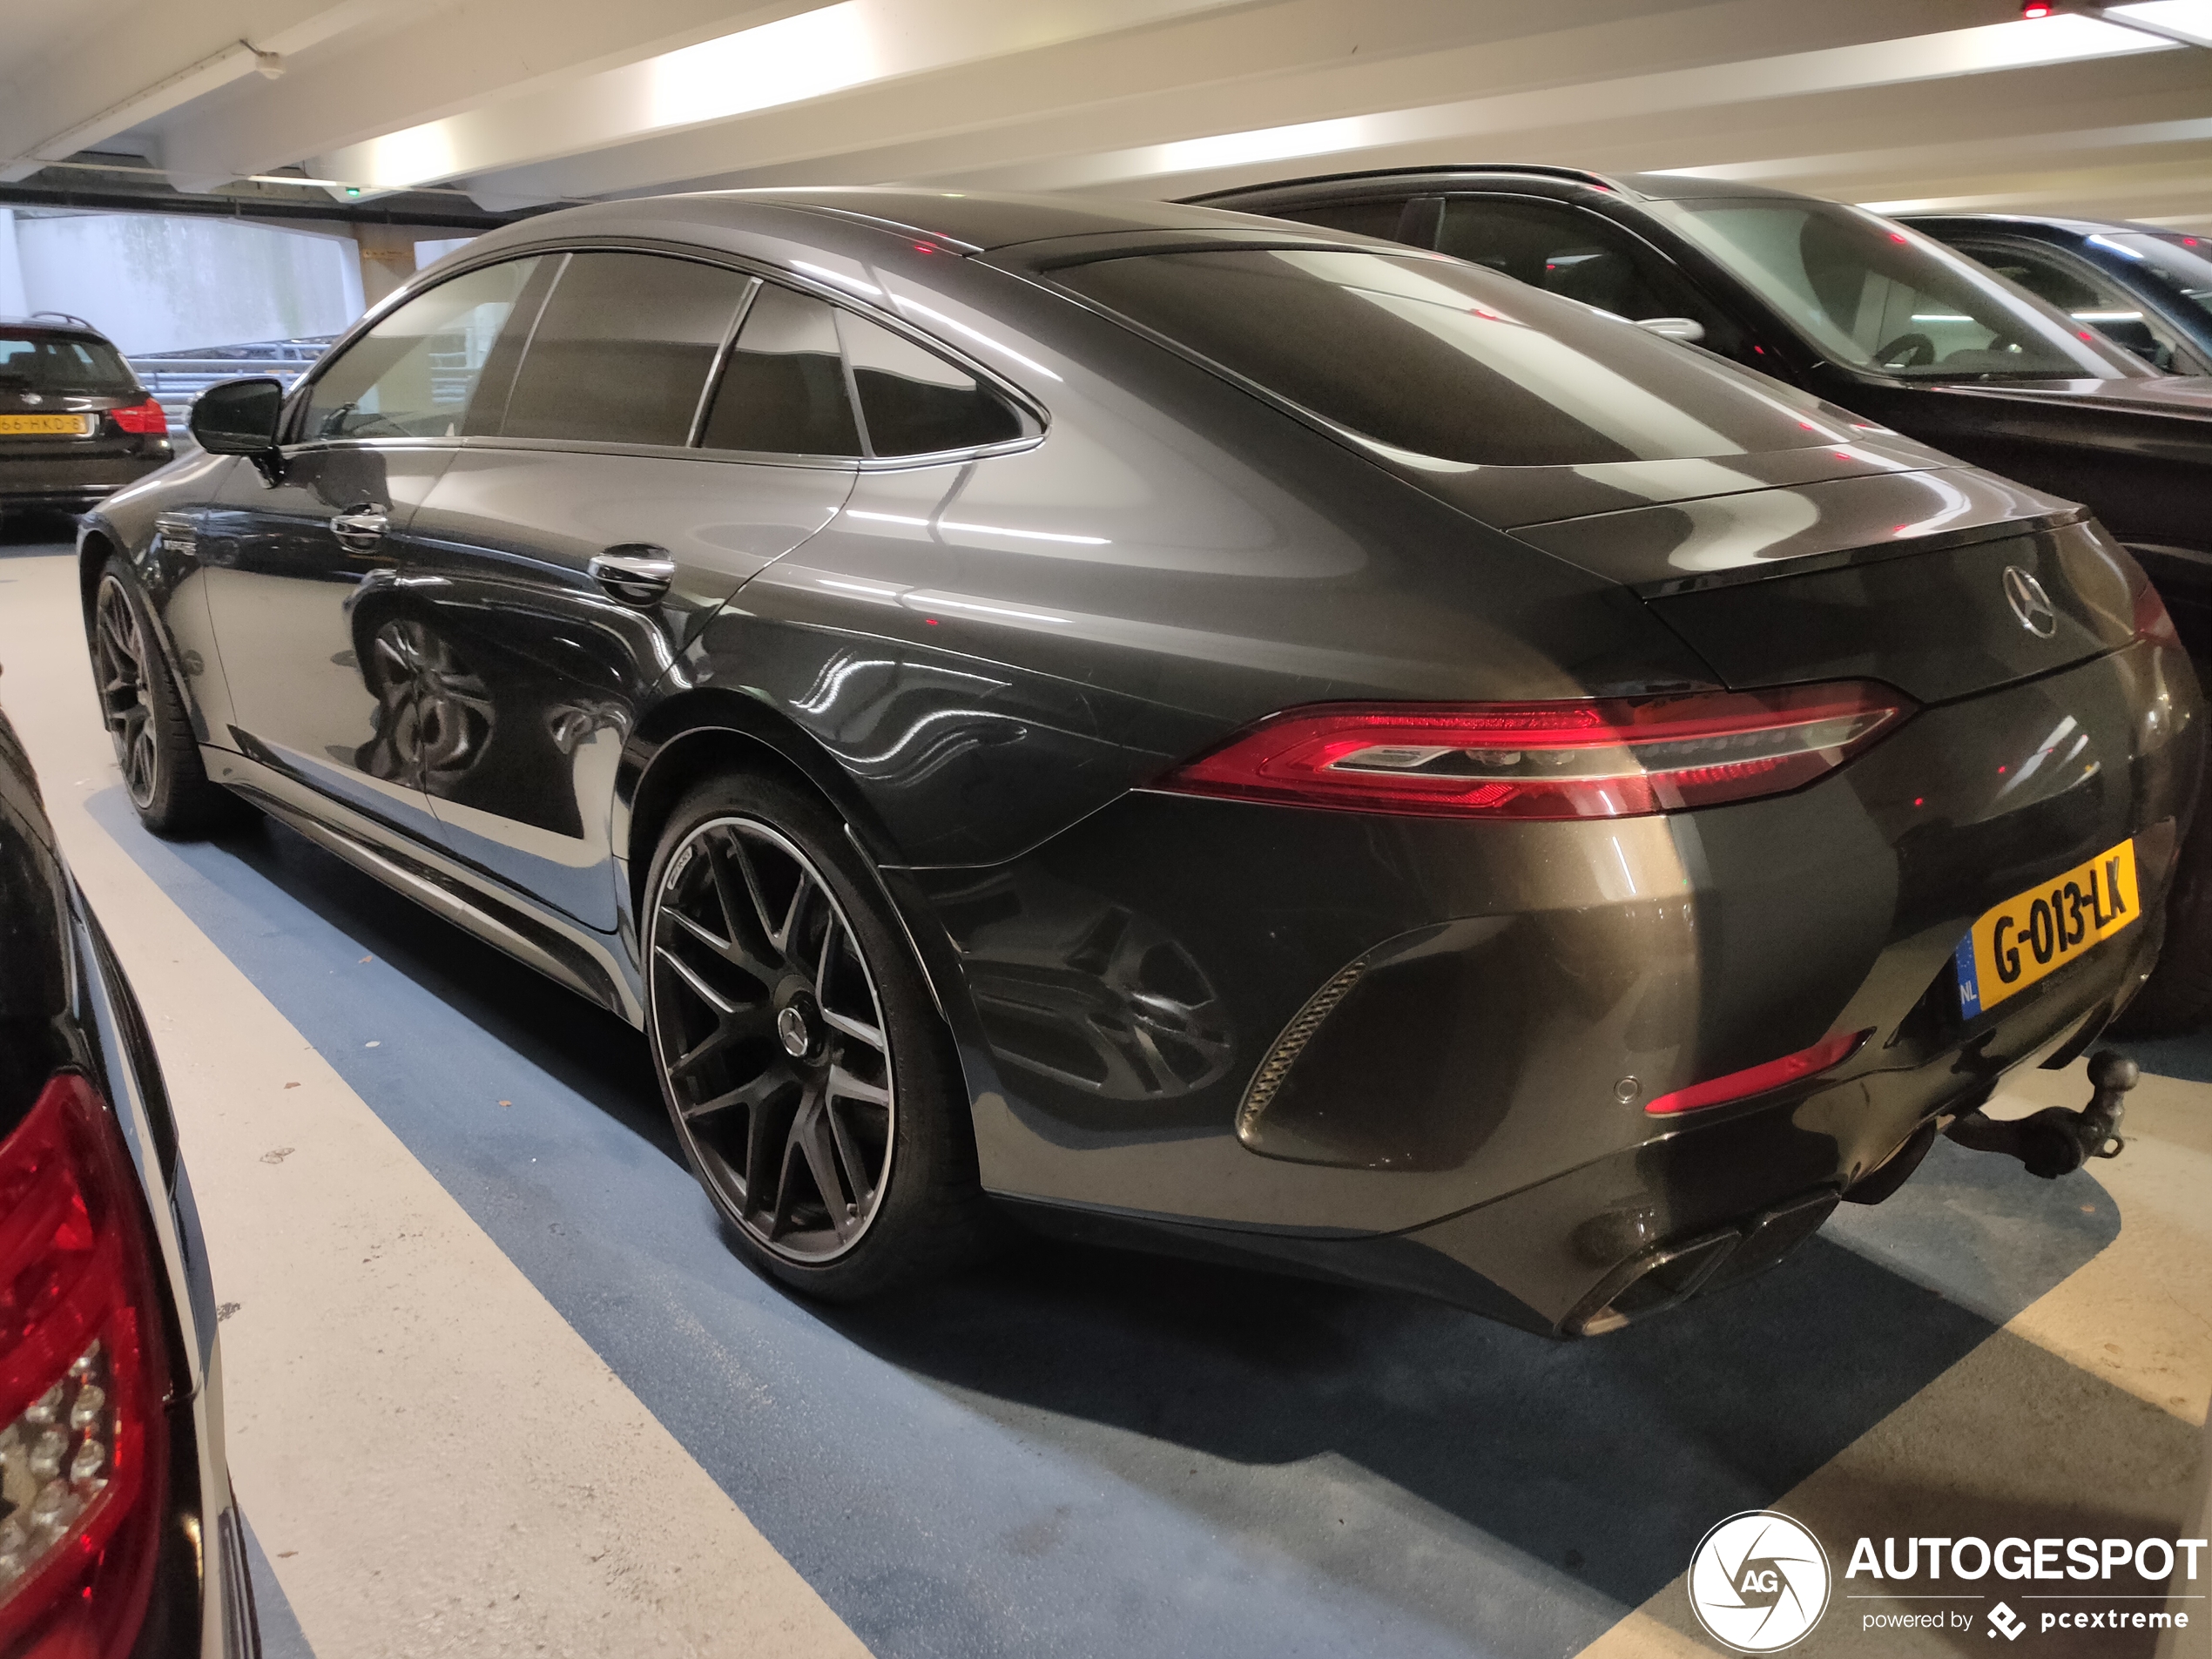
(293, 549)
(674, 426)
(1570, 251)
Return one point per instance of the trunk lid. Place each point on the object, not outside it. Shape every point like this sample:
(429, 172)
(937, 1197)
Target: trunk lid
(1944, 582)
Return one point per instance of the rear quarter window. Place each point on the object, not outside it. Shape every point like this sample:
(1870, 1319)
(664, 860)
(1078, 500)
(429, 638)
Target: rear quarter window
(1442, 359)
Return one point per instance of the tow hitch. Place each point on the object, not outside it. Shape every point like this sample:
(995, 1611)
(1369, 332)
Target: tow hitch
(2056, 1142)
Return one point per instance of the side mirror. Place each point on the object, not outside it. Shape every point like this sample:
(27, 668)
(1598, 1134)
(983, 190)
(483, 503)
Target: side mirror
(1687, 330)
(239, 417)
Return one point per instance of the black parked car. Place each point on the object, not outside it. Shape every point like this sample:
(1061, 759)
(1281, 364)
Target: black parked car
(1231, 738)
(75, 424)
(118, 1531)
(2142, 287)
(1879, 320)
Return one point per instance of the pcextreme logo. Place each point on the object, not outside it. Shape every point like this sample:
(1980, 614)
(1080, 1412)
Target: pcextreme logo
(1758, 1582)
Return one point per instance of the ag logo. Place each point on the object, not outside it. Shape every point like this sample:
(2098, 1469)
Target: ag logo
(1758, 1582)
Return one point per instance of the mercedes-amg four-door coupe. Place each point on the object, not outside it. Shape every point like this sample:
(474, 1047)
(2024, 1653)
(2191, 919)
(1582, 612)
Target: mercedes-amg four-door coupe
(1242, 739)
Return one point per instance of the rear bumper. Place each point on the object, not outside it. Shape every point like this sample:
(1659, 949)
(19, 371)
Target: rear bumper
(1415, 1052)
(75, 482)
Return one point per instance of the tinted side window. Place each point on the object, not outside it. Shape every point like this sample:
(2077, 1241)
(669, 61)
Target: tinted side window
(1565, 251)
(782, 391)
(623, 349)
(417, 373)
(914, 402)
(1361, 219)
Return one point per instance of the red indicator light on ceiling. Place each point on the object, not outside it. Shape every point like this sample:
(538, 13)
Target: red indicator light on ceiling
(1896, 236)
(924, 247)
(2035, 9)
(1919, 800)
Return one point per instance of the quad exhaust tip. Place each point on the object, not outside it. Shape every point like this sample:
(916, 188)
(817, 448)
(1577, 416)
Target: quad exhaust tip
(2052, 1142)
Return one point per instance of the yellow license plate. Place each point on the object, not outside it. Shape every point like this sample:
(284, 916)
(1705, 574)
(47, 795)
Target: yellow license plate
(2040, 931)
(59, 426)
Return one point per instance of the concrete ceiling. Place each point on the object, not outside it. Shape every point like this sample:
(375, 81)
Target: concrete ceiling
(1951, 102)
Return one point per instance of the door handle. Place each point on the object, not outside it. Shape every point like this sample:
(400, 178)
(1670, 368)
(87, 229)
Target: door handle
(360, 530)
(636, 572)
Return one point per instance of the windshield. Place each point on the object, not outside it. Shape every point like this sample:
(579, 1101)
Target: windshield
(1435, 358)
(1873, 295)
(57, 363)
(2180, 265)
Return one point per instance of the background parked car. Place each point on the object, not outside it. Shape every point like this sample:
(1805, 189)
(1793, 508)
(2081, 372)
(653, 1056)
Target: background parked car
(118, 1534)
(75, 423)
(1876, 319)
(2141, 286)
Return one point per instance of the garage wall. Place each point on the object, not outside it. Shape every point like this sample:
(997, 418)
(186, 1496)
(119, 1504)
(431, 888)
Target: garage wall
(160, 282)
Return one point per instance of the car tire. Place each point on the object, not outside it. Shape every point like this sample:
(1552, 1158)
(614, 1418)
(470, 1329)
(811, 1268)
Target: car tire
(807, 1073)
(162, 774)
(2177, 998)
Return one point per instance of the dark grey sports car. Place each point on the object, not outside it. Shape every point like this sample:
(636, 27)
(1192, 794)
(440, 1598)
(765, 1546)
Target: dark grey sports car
(1245, 740)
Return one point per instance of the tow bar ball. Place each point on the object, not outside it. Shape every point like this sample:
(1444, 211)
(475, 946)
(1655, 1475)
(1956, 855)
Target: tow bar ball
(2056, 1142)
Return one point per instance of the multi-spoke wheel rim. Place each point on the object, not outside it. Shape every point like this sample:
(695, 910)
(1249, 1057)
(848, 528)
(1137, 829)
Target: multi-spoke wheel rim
(118, 655)
(770, 1035)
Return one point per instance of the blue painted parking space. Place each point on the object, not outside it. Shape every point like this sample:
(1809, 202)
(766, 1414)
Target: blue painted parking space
(1085, 1452)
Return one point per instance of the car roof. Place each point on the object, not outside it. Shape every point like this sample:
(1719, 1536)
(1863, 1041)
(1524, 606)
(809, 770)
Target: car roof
(1645, 186)
(971, 221)
(2037, 221)
(49, 326)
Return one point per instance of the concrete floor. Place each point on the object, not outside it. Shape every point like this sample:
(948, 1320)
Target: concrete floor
(497, 1385)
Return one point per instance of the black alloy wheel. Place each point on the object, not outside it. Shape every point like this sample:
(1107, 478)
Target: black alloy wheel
(806, 1073)
(162, 773)
(118, 664)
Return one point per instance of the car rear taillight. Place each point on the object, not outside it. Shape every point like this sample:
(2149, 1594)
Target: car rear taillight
(2153, 621)
(84, 1382)
(148, 416)
(1825, 1056)
(1601, 757)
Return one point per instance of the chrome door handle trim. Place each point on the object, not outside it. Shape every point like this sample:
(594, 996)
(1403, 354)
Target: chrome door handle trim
(359, 530)
(636, 578)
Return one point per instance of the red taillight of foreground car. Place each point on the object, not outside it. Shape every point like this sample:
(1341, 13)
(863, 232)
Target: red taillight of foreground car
(83, 1385)
(1757, 1080)
(142, 418)
(1608, 758)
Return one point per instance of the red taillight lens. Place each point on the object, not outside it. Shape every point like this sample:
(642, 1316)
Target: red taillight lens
(1757, 1080)
(2153, 621)
(148, 416)
(1597, 759)
(83, 1385)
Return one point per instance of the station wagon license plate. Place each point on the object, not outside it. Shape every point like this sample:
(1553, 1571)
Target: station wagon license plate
(57, 426)
(2037, 932)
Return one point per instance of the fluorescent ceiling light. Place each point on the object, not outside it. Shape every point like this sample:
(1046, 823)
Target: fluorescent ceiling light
(831, 49)
(2190, 17)
(1993, 47)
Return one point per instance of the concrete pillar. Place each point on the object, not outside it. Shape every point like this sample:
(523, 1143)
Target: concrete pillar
(14, 302)
(386, 257)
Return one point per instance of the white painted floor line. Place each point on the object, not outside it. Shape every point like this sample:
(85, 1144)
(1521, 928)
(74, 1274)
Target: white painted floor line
(436, 1462)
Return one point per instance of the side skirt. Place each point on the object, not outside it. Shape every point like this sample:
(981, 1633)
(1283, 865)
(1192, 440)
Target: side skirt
(594, 966)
